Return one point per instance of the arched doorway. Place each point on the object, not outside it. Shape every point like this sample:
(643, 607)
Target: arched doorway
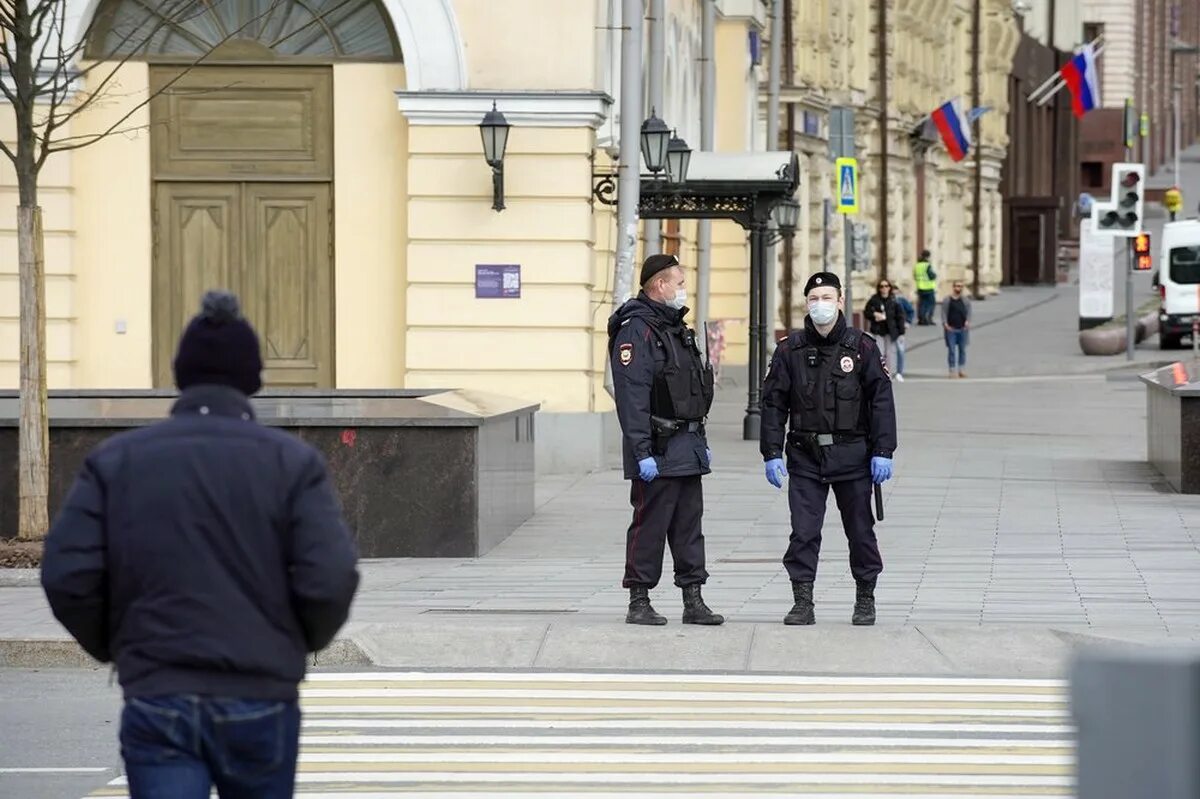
(242, 167)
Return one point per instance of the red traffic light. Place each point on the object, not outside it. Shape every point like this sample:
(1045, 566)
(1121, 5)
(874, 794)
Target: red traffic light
(1141, 244)
(1143, 263)
(1130, 179)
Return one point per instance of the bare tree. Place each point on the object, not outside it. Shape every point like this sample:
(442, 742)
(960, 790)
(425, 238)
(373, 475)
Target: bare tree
(44, 78)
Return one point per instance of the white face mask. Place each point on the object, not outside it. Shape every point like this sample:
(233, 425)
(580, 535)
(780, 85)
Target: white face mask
(822, 312)
(678, 300)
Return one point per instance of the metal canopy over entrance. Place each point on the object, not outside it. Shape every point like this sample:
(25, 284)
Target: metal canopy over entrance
(744, 188)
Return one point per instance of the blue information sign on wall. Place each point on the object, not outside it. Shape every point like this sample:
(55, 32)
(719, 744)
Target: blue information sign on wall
(497, 281)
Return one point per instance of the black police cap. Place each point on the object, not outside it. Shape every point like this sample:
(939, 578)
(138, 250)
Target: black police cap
(822, 279)
(655, 264)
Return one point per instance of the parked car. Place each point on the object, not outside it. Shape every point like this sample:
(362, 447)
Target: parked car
(1179, 282)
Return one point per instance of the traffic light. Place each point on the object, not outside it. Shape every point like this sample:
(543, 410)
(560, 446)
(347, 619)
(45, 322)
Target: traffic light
(1141, 249)
(1122, 215)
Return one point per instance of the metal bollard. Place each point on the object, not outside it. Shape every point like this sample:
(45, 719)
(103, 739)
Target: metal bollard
(1138, 716)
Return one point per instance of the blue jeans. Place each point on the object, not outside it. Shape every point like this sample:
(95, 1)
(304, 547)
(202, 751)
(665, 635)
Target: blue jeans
(926, 302)
(180, 746)
(956, 345)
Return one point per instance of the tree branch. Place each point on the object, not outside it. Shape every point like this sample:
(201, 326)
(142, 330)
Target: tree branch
(60, 147)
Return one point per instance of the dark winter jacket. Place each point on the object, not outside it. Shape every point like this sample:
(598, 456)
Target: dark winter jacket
(893, 324)
(205, 554)
(834, 385)
(658, 371)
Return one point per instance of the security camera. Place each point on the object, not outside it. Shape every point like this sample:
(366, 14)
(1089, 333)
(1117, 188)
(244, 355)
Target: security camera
(1021, 7)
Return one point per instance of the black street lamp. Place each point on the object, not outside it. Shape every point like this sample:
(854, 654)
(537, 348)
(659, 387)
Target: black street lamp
(679, 155)
(655, 141)
(494, 130)
(786, 215)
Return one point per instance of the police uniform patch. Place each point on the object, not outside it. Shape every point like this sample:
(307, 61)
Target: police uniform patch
(626, 354)
(847, 364)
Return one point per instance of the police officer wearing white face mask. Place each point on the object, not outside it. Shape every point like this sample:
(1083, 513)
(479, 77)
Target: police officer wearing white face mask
(829, 391)
(663, 390)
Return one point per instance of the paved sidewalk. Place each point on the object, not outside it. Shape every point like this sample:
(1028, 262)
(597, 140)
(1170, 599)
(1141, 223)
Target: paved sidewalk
(1022, 521)
(1028, 331)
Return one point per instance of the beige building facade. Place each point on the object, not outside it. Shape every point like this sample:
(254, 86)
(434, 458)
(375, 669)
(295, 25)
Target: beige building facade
(928, 200)
(334, 177)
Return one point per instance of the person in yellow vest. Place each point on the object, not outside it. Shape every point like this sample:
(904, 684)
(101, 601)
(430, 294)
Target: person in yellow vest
(926, 280)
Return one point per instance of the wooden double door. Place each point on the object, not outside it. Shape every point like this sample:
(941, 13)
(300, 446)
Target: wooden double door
(243, 201)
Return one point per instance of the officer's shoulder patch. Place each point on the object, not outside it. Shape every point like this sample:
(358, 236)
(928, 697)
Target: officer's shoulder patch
(626, 354)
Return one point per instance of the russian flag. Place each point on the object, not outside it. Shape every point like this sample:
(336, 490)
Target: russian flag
(952, 123)
(1081, 78)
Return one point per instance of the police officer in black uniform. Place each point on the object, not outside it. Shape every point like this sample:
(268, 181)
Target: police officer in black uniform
(663, 390)
(829, 389)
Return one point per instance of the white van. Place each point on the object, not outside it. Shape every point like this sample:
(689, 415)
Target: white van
(1179, 282)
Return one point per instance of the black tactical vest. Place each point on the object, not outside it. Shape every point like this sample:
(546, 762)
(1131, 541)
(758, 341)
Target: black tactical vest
(683, 387)
(827, 386)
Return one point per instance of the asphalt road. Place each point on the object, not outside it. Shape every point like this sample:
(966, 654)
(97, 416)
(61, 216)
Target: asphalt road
(61, 720)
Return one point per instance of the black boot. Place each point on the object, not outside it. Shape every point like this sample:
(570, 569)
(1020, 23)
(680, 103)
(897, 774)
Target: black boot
(640, 611)
(802, 611)
(694, 609)
(864, 604)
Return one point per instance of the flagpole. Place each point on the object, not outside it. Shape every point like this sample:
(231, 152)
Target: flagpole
(1097, 43)
(1057, 76)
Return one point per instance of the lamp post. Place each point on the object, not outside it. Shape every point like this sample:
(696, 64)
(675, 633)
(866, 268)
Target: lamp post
(679, 155)
(664, 154)
(494, 131)
(787, 217)
(656, 139)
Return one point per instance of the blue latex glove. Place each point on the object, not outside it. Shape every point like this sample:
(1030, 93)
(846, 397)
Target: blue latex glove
(648, 469)
(776, 472)
(708, 454)
(881, 469)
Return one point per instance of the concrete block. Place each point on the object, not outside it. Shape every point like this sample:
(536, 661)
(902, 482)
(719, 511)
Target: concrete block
(1138, 716)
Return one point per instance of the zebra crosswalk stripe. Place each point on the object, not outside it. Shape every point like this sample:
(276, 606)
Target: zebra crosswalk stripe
(445, 735)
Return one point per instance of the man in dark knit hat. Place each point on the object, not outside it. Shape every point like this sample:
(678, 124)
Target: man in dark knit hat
(663, 390)
(828, 389)
(205, 556)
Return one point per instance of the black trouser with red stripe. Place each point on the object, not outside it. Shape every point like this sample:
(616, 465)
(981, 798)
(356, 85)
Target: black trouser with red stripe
(667, 510)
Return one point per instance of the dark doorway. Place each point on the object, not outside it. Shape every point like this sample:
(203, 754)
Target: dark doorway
(1029, 248)
(1033, 246)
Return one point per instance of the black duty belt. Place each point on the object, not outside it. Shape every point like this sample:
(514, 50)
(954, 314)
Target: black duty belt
(675, 426)
(829, 439)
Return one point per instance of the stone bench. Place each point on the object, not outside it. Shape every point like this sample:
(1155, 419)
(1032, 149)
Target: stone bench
(423, 473)
(1173, 423)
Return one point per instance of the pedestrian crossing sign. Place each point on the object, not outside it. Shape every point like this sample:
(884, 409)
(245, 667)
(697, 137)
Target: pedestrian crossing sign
(846, 170)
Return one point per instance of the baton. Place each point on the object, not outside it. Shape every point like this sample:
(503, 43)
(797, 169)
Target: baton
(878, 502)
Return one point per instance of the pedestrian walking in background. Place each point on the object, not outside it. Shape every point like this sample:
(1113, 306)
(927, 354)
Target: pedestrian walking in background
(205, 556)
(885, 321)
(663, 391)
(956, 319)
(910, 316)
(827, 389)
(926, 280)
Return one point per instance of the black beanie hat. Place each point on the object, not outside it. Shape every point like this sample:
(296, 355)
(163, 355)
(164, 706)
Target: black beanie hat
(219, 347)
(655, 264)
(822, 279)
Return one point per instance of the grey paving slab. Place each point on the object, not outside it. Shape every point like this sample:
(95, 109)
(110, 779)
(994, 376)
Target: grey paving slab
(1021, 505)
